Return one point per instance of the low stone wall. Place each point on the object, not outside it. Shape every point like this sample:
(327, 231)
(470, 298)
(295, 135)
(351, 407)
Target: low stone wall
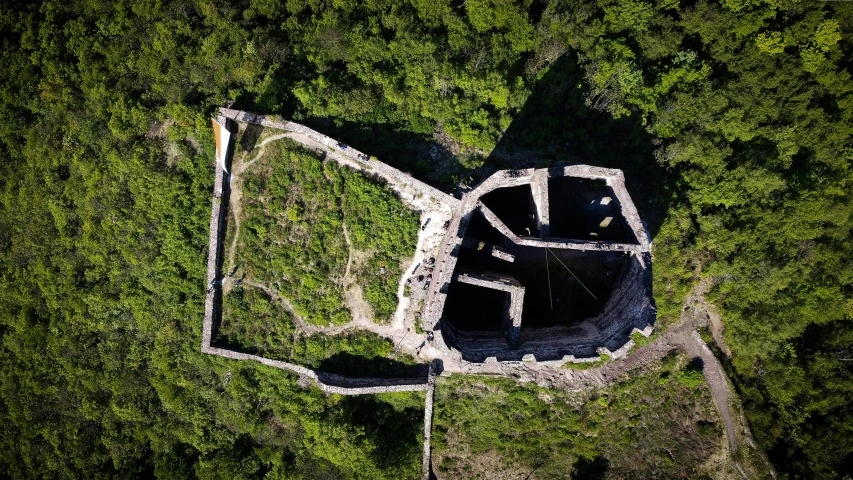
(504, 283)
(496, 222)
(213, 246)
(430, 392)
(582, 245)
(495, 281)
(505, 256)
(539, 191)
(558, 243)
(342, 386)
(389, 173)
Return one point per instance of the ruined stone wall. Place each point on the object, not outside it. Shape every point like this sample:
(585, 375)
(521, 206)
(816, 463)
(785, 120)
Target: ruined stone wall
(615, 179)
(630, 305)
(213, 247)
(497, 223)
(430, 393)
(389, 173)
(582, 245)
(341, 386)
(495, 281)
(446, 263)
(538, 179)
(514, 306)
(539, 191)
(558, 243)
(327, 382)
(628, 310)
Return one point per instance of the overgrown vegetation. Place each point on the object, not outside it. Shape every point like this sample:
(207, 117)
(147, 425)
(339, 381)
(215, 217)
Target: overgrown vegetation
(255, 323)
(733, 120)
(654, 425)
(294, 209)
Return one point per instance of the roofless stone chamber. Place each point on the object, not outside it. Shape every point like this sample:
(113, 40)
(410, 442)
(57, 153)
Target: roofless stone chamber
(548, 262)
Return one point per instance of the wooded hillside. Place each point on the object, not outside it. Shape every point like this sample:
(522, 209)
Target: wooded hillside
(732, 119)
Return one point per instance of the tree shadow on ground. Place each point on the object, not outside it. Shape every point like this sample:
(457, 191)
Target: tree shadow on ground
(695, 364)
(594, 469)
(250, 137)
(555, 127)
(417, 154)
(355, 366)
(396, 432)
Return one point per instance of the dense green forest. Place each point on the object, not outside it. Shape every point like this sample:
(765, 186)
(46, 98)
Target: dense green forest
(732, 119)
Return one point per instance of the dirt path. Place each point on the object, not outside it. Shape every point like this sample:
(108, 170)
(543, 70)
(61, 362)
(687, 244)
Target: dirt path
(304, 326)
(387, 331)
(715, 320)
(362, 312)
(236, 197)
(401, 334)
(242, 166)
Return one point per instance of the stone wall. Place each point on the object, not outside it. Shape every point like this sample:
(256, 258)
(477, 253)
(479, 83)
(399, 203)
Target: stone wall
(538, 180)
(327, 382)
(213, 246)
(430, 393)
(539, 191)
(628, 310)
(341, 386)
(615, 179)
(446, 263)
(389, 173)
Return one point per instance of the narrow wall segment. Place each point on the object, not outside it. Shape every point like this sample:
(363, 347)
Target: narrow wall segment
(212, 255)
(384, 170)
(539, 189)
(515, 304)
(430, 392)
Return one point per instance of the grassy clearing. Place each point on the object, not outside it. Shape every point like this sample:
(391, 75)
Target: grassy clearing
(294, 207)
(660, 424)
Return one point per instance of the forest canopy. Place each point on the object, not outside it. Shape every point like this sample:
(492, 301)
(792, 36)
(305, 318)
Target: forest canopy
(733, 119)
